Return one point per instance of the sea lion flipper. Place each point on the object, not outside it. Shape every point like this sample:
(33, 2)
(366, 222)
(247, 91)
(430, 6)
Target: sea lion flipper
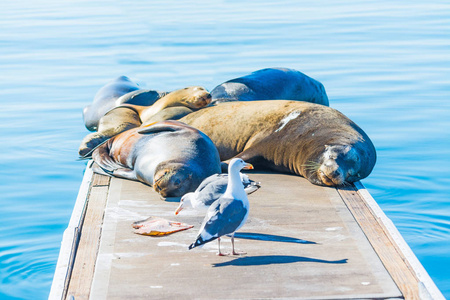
(158, 127)
(86, 152)
(125, 173)
(110, 168)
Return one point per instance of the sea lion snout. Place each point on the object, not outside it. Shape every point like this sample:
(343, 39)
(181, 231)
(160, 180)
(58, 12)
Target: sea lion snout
(330, 173)
(200, 97)
(340, 164)
(173, 182)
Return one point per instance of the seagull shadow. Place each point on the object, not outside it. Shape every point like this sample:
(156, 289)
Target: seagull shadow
(270, 238)
(275, 259)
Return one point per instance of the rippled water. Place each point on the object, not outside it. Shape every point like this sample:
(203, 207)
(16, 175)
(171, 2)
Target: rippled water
(385, 64)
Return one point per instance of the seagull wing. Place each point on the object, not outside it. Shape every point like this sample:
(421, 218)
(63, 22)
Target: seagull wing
(224, 216)
(211, 189)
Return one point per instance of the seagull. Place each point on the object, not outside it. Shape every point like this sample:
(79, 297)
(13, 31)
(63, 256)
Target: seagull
(228, 213)
(211, 189)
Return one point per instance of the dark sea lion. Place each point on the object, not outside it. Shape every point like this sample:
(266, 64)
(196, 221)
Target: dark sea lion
(104, 100)
(142, 97)
(271, 84)
(310, 140)
(171, 156)
(116, 92)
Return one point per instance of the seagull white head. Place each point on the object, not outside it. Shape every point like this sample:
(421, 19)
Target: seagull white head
(235, 188)
(185, 201)
(238, 164)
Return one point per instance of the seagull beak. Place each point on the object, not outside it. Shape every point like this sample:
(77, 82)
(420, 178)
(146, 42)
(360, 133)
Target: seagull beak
(248, 167)
(180, 207)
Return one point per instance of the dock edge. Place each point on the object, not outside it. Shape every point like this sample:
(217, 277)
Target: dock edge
(70, 239)
(427, 287)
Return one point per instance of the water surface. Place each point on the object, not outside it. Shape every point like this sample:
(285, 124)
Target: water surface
(385, 64)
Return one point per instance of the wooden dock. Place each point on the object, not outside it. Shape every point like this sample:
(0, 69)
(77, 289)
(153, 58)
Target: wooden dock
(302, 242)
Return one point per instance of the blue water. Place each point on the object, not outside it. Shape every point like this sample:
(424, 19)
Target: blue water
(385, 64)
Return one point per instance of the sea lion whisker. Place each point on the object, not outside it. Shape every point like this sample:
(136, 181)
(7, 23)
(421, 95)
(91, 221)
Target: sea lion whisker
(311, 162)
(311, 166)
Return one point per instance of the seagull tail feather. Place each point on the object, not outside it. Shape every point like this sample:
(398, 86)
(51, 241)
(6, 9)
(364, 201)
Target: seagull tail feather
(200, 241)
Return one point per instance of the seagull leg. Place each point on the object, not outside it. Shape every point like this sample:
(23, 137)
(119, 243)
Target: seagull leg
(220, 253)
(232, 245)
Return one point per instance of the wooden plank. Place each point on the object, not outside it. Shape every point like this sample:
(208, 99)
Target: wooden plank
(84, 266)
(392, 258)
(70, 240)
(100, 180)
(427, 287)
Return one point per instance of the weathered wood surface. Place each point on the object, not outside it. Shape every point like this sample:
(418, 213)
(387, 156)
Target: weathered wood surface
(385, 247)
(302, 241)
(89, 238)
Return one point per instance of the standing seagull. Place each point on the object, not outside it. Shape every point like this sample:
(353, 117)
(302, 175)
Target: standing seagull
(229, 212)
(211, 189)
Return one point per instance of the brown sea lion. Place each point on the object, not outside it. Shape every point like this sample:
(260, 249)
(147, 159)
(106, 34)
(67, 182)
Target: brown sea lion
(174, 105)
(169, 113)
(193, 97)
(112, 123)
(310, 140)
(116, 92)
(271, 84)
(171, 156)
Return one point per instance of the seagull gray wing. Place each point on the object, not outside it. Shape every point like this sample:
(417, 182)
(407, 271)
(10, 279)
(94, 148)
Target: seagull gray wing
(211, 189)
(223, 217)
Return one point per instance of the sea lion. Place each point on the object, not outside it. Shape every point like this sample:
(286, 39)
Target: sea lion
(112, 95)
(193, 97)
(143, 97)
(271, 84)
(169, 113)
(310, 140)
(171, 156)
(112, 123)
(173, 105)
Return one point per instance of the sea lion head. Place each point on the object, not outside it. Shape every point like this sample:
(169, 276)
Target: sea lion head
(173, 180)
(338, 165)
(195, 97)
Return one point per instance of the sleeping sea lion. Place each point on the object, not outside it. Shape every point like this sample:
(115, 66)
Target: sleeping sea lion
(113, 94)
(171, 156)
(310, 140)
(169, 113)
(271, 84)
(193, 97)
(173, 105)
(112, 123)
(143, 97)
